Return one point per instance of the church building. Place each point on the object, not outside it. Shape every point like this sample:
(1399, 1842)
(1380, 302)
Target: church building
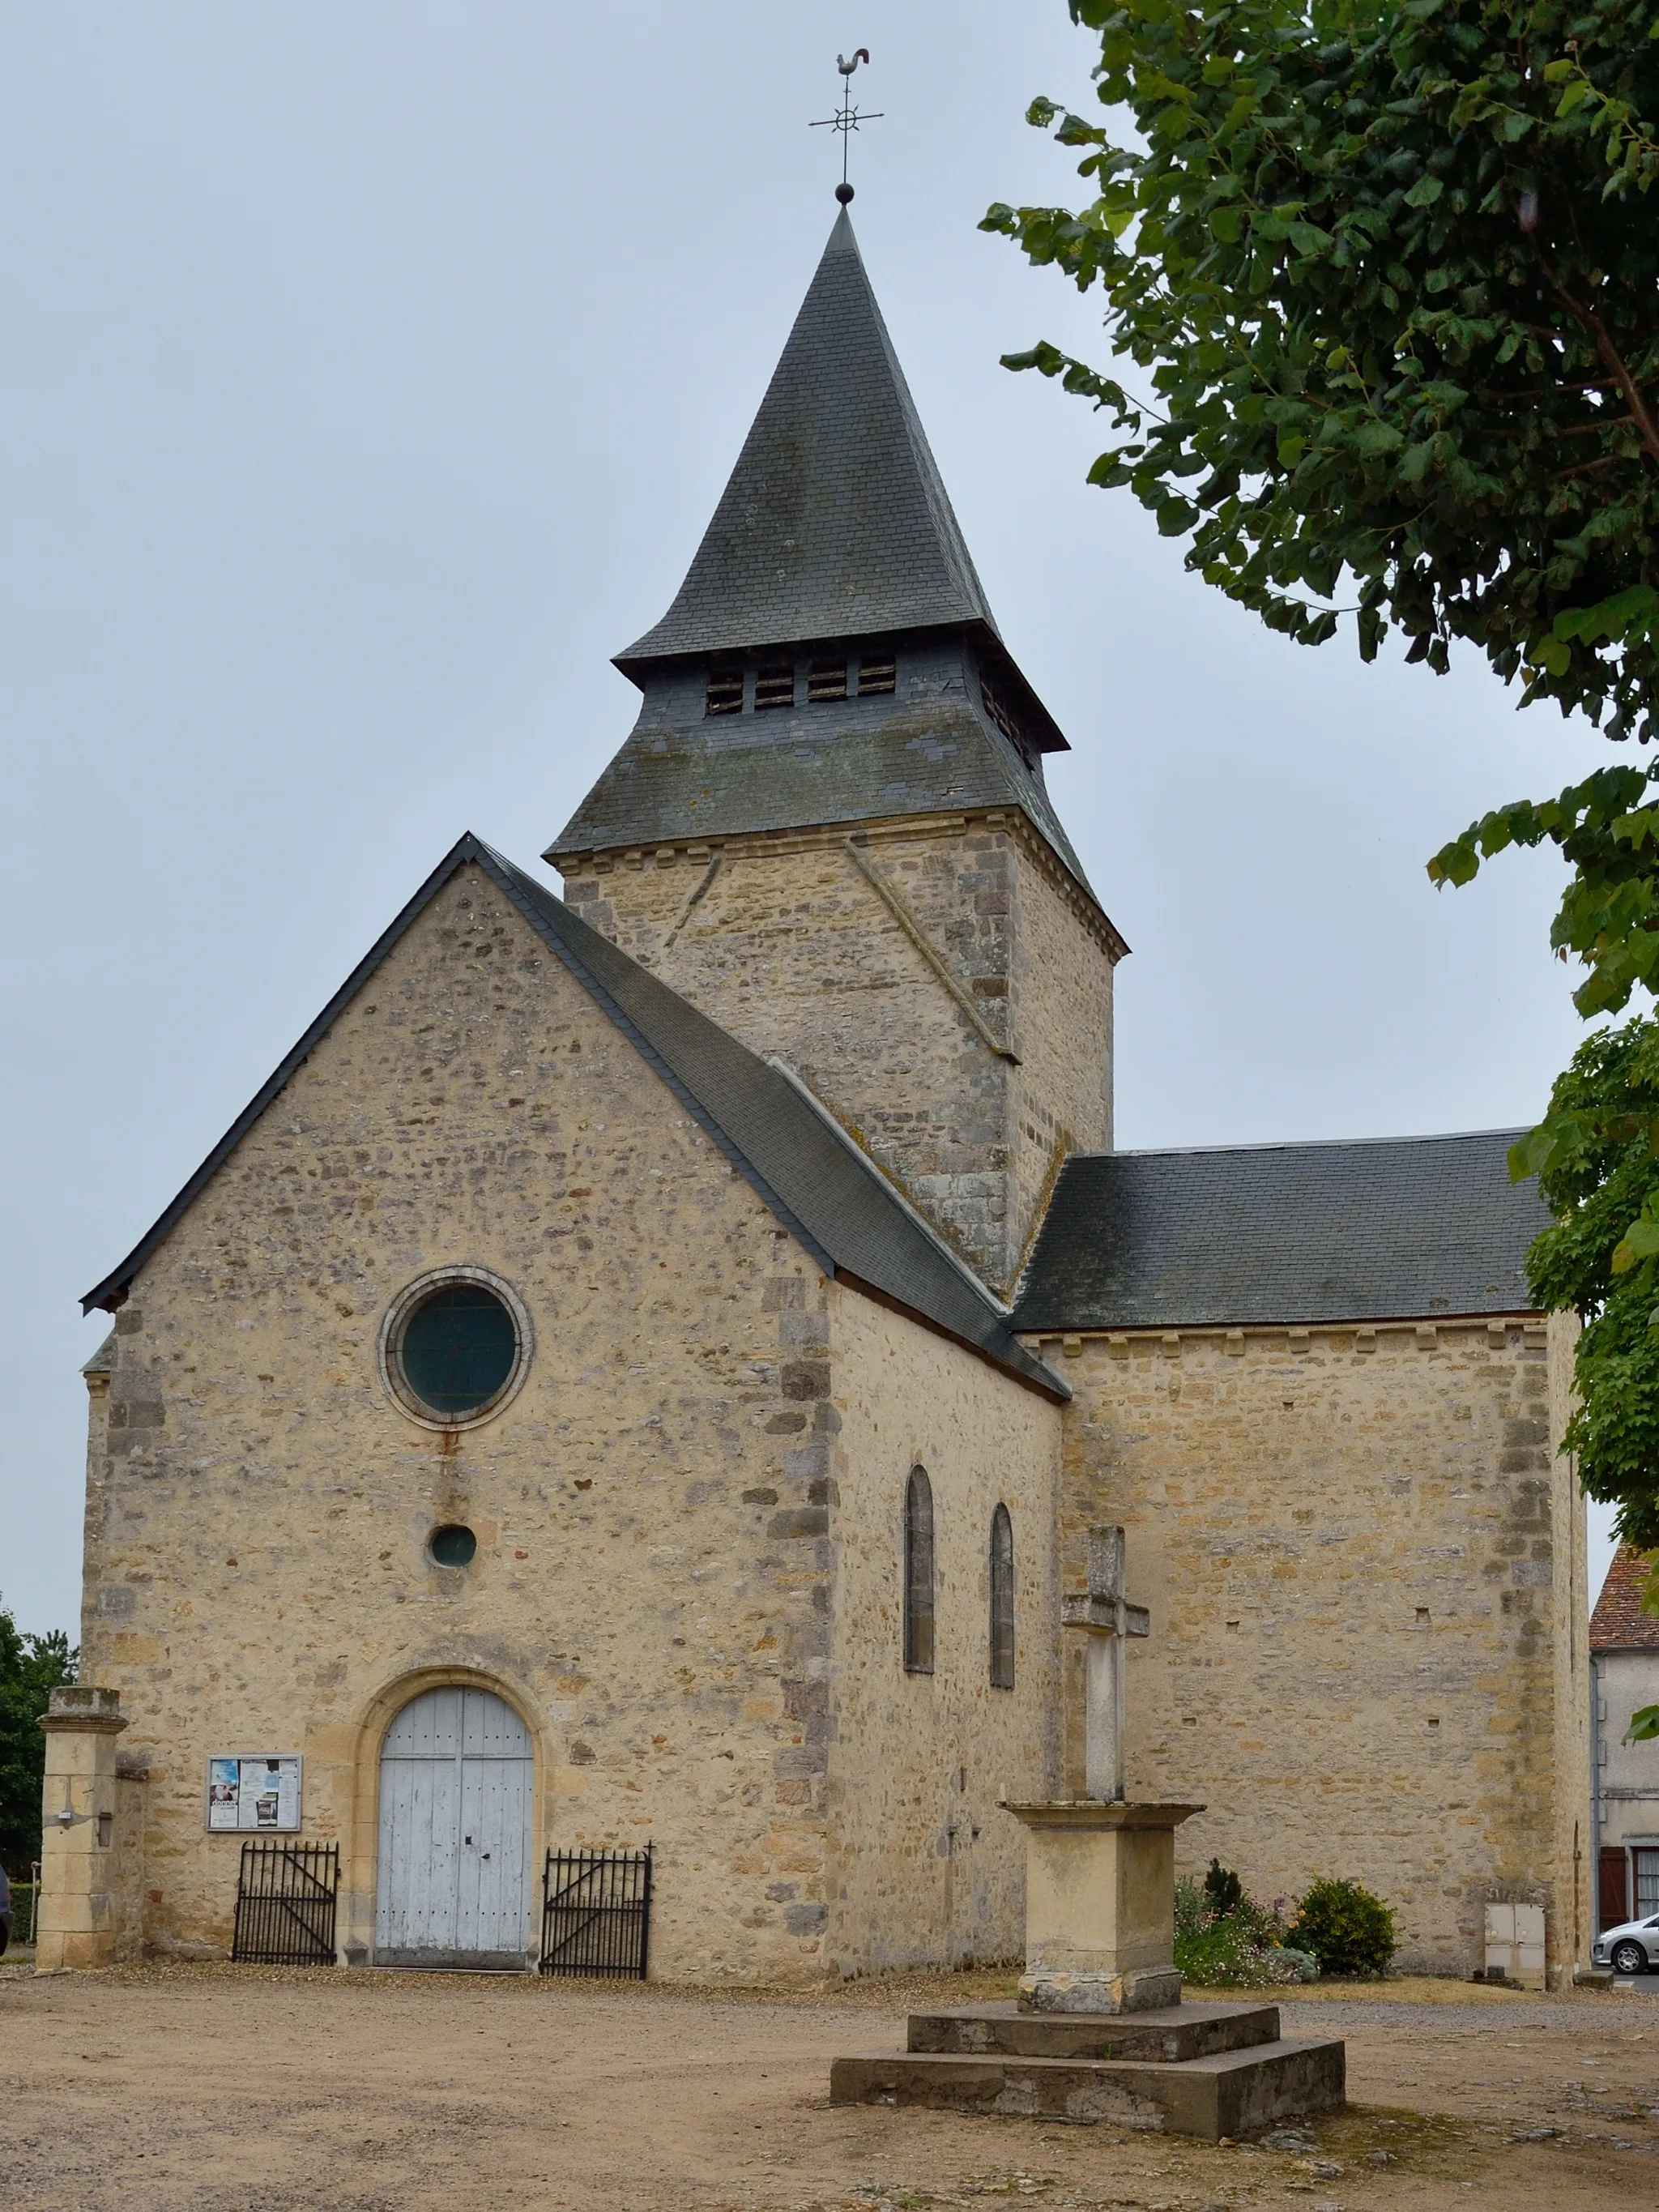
(644, 1368)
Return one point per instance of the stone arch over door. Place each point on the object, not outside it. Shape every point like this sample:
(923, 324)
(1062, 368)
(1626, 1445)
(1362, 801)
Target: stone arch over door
(453, 1866)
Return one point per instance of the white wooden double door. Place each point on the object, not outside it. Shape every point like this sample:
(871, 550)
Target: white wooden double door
(456, 1775)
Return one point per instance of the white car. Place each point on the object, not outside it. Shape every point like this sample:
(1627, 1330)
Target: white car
(1630, 1948)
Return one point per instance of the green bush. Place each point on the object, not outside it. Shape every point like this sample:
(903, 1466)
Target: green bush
(1349, 1930)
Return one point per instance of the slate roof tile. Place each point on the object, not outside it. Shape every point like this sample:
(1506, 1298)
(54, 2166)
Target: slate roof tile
(836, 520)
(1387, 1230)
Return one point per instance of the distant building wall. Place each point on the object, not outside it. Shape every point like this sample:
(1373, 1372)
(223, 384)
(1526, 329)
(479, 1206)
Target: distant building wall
(1626, 1774)
(1366, 1574)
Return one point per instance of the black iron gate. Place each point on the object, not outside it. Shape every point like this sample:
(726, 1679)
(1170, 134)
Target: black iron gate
(596, 1913)
(285, 1904)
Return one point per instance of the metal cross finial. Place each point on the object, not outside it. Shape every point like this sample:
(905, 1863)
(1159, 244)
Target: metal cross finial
(846, 117)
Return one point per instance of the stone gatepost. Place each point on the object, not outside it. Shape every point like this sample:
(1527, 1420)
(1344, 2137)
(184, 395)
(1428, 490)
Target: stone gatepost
(77, 1920)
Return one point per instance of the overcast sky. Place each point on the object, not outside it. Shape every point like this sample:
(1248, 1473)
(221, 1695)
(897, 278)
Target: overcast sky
(372, 369)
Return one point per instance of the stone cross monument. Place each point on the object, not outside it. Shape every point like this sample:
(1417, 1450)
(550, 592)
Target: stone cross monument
(1108, 1620)
(1100, 1872)
(1100, 1944)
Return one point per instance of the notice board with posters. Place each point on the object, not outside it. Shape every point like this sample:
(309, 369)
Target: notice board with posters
(256, 1794)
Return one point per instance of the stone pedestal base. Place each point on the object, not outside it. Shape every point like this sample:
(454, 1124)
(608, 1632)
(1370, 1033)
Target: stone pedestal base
(1046, 1990)
(1100, 1906)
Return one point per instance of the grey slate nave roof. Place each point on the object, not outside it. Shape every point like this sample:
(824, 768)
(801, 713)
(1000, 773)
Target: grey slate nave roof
(835, 521)
(830, 1197)
(1385, 1230)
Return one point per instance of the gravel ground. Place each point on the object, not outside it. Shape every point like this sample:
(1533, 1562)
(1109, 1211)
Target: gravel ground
(154, 2089)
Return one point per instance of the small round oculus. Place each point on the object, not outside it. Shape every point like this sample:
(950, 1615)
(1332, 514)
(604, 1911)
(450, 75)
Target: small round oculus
(453, 1545)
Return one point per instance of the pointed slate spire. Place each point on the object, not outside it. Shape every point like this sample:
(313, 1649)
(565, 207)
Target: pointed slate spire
(835, 522)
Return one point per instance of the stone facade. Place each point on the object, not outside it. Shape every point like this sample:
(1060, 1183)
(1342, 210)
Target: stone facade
(686, 1576)
(945, 985)
(1366, 1574)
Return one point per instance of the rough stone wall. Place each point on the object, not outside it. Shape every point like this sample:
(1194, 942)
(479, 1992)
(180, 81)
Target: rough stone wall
(787, 942)
(924, 1867)
(1573, 1747)
(1062, 1024)
(653, 1584)
(1362, 1563)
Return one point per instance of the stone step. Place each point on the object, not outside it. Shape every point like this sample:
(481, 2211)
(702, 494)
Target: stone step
(1179, 2031)
(1231, 2093)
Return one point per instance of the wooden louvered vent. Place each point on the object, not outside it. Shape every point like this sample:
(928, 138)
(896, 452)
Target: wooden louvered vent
(826, 679)
(725, 692)
(998, 708)
(774, 683)
(877, 672)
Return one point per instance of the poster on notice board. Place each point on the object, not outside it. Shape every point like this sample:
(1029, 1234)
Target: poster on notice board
(257, 1795)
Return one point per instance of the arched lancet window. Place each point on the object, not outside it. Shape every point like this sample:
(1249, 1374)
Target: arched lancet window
(1002, 1599)
(919, 1573)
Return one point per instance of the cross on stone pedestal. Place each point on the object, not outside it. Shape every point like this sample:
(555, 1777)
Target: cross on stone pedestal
(1108, 1620)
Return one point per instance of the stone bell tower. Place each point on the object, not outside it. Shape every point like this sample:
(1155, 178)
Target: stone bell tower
(829, 828)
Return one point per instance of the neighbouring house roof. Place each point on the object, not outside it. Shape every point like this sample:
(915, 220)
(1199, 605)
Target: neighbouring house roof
(835, 521)
(1391, 1229)
(824, 1190)
(1619, 1623)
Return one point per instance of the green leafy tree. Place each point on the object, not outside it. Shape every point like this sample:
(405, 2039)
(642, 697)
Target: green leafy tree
(31, 1668)
(1382, 287)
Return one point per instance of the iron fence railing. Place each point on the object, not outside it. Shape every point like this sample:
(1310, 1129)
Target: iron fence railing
(285, 1901)
(596, 1913)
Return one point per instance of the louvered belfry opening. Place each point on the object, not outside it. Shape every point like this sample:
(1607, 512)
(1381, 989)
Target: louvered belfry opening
(826, 679)
(723, 695)
(877, 671)
(1004, 718)
(774, 683)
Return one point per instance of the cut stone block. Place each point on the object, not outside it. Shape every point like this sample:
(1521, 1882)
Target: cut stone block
(1230, 2092)
(1167, 2038)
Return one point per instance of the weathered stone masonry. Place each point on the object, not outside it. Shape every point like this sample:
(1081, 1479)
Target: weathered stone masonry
(815, 947)
(1361, 1558)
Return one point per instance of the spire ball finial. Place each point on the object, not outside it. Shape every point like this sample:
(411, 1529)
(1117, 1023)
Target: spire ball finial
(843, 193)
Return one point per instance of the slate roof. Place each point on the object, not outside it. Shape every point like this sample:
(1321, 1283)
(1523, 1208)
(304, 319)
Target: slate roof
(834, 1200)
(1394, 1228)
(836, 520)
(1619, 1623)
(864, 760)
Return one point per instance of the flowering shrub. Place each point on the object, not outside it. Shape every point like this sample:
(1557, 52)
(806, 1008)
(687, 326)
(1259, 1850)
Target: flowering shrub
(1226, 1941)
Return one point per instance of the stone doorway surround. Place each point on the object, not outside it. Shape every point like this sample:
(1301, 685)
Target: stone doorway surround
(361, 1843)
